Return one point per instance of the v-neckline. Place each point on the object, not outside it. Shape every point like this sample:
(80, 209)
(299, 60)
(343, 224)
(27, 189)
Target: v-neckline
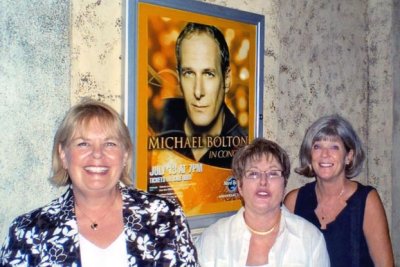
(338, 215)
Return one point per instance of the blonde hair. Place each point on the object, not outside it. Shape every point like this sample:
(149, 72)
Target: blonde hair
(79, 117)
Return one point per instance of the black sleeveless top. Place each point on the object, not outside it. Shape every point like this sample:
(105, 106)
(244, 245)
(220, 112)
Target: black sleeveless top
(344, 236)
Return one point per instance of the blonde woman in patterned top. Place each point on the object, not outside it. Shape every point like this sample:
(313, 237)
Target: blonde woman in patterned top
(100, 220)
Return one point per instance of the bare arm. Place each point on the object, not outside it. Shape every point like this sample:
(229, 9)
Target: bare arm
(290, 200)
(376, 231)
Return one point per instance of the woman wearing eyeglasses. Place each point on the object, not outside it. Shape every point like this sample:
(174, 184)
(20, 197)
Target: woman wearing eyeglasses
(262, 232)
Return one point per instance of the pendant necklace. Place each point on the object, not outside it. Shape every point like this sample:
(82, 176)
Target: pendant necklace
(94, 223)
(325, 215)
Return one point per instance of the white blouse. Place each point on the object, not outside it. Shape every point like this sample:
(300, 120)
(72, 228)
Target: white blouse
(114, 255)
(226, 243)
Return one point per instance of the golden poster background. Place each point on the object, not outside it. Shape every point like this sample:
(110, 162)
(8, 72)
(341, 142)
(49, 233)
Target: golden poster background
(201, 189)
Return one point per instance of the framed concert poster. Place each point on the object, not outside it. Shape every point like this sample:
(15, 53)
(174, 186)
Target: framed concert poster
(194, 90)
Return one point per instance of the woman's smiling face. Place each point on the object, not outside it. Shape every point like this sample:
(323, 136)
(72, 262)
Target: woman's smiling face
(94, 158)
(329, 158)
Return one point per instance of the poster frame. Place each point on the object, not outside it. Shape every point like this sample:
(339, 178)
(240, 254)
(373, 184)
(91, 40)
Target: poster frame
(132, 52)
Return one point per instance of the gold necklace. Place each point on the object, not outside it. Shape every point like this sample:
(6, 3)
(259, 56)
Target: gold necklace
(261, 232)
(94, 223)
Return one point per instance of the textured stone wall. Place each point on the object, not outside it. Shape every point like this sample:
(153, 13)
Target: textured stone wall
(321, 57)
(321, 66)
(380, 87)
(34, 94)
(96, 51)
(395, 51)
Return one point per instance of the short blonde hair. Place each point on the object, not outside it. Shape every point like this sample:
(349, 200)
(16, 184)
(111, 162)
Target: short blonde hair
(78, 117)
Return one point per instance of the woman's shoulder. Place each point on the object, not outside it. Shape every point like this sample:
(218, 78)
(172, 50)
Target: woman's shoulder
(45, 214)
(225, 226)
(363, 187)
(298, 225)
(306, 188)
(361, 192)
(291, 197)
(137, 197)
(28, 219)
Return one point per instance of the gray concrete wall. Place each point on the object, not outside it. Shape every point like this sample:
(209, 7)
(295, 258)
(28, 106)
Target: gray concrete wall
(396, 131)
(34, 94)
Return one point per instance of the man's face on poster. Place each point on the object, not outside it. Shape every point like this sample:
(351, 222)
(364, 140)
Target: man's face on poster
(202, 81)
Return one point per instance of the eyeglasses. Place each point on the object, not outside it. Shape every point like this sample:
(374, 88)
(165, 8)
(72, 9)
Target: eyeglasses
(274, 175)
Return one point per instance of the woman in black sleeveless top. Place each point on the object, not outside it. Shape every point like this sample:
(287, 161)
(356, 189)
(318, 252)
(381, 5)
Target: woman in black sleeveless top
(350, 215)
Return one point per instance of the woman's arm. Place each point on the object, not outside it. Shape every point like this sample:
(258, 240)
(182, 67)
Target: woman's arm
(184, 247)
(376, 231)
(16, 250)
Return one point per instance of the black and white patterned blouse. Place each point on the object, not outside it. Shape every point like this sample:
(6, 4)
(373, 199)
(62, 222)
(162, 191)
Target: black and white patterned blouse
(156, 233)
